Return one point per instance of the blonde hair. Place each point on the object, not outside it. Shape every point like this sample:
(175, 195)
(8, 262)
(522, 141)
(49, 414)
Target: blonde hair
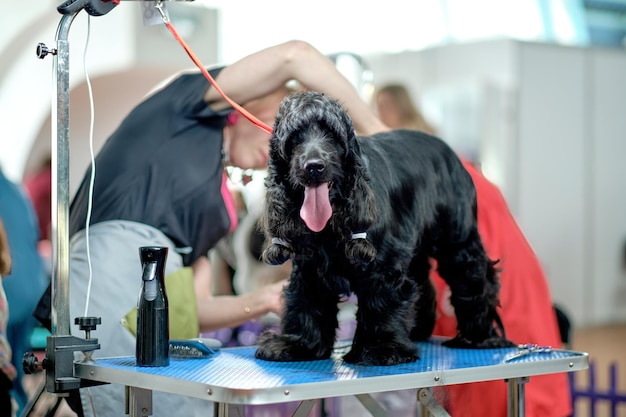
(408, 114)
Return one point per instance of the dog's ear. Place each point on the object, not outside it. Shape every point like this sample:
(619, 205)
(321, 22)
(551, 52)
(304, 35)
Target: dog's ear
(288, 120)
(361, 206)
(275, 221)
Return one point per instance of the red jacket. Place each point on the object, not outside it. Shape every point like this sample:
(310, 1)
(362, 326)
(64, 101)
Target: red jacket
(527, 314)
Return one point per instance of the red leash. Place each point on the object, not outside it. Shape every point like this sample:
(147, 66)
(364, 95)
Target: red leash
(208, 76)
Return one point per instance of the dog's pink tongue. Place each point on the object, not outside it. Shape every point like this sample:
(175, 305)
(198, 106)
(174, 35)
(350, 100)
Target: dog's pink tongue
(316, 210)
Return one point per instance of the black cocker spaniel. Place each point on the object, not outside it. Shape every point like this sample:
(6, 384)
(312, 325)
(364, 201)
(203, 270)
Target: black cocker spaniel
(366, 215)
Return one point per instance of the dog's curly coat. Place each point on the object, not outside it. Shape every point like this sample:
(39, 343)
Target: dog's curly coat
(366, 215)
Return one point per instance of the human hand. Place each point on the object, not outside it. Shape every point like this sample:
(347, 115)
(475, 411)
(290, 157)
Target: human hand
(273, 296)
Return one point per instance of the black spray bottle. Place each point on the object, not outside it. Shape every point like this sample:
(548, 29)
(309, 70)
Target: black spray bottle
(152, 348)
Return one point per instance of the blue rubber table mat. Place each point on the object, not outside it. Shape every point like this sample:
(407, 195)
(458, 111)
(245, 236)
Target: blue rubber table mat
(234, 375)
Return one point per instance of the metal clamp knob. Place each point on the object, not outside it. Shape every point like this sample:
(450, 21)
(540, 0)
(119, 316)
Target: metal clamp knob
(43, 51)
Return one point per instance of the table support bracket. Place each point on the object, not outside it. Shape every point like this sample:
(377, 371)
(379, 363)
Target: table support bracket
(430, 406)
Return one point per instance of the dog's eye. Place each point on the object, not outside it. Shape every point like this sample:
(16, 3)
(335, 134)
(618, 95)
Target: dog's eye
(285, 149)
(288, 144)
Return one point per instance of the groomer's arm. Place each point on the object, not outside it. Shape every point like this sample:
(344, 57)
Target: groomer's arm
(265, 71)
(218, 312)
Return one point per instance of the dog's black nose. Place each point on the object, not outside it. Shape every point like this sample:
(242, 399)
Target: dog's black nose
(314, 167)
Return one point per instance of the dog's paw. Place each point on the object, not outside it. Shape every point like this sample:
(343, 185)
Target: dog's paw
(286, 348)
(382, 355)
(460, 342)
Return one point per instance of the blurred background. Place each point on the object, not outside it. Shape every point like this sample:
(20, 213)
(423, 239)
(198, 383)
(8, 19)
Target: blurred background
(532, 90)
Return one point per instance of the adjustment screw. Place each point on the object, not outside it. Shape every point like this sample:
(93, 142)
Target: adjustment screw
(30, 363)
(42, 50)
(87, 324)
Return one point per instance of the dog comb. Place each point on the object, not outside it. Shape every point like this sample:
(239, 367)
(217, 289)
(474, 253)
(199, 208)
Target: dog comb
(194, 348)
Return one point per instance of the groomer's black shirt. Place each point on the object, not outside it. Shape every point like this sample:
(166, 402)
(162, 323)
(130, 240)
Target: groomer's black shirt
(163, 167)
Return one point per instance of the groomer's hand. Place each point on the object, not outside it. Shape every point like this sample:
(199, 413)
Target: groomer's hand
(202, 277)
(272, 296)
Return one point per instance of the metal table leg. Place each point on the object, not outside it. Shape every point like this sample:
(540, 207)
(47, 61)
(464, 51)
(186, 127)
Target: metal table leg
(138, 402)
(304, 408)
(516, 394)
(228, 410)
(371, 405)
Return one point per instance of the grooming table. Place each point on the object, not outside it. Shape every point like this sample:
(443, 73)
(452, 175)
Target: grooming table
(233, 377)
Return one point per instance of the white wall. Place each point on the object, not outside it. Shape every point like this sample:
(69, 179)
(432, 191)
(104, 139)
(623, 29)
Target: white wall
(606, 284)
(572, 138)
(552, 154)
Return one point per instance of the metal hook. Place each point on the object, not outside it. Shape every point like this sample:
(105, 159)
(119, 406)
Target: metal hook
(159, 6)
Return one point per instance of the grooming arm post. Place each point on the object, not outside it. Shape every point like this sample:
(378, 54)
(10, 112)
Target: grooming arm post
(60, 346)
(60, 181)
